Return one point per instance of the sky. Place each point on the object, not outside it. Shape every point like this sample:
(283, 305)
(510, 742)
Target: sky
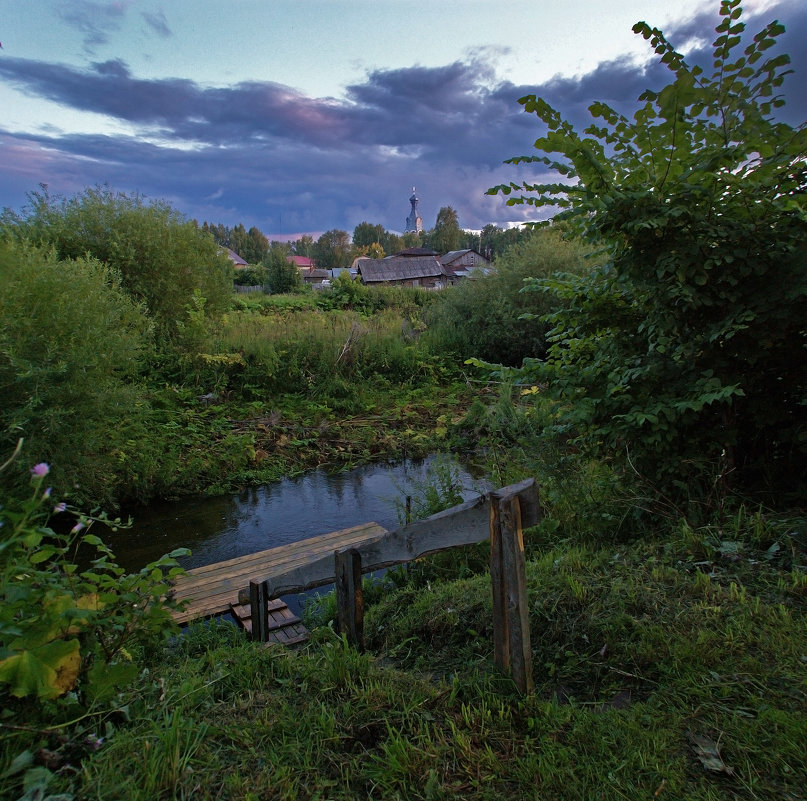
(301, 116)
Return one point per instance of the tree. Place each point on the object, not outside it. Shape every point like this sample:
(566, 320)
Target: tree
(162, 258)
(374, 251)
(446, 235)
(257, 246)
(239, 242)
(332, 250)
(685, 351)
(282, 275)
(365, 234)
(304, 246)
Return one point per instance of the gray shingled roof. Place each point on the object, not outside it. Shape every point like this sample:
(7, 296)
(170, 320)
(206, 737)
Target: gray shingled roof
(405, 268)
(453, 255)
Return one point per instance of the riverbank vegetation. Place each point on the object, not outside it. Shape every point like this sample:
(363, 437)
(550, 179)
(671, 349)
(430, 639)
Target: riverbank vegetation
(651, 375)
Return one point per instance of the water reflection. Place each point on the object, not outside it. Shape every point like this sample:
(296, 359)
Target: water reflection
(274, 514)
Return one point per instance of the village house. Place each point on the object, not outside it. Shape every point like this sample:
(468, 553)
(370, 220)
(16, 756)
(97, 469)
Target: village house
(403, 270)
(461, 263)
(237, 261)
(316, 277)
(302, 263)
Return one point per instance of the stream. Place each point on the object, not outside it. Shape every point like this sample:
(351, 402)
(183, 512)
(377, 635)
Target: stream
(275, 514)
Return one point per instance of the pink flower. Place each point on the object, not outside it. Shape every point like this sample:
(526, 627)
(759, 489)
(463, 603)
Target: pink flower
(40, 470)
(77, 528)
(47, 492)
(60, 507)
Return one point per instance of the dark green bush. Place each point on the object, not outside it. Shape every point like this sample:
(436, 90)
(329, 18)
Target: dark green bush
(481, 317)
(71, 345)
(162, 259)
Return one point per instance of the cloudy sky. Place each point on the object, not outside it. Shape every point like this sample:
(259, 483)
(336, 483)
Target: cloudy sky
(300, 116)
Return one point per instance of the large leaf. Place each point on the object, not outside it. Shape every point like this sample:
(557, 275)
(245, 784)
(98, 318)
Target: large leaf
(47, 671)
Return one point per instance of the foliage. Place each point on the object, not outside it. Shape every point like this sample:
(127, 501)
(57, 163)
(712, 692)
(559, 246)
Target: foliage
(484, 317)
(69, 635)
(494, 241)
(365, 234)
(71, 347)
(332, 250)
(281, 274)
(347, 292)
(250, 276)
(252, 245)
(446, 235)
(686, 351)
(162, 259)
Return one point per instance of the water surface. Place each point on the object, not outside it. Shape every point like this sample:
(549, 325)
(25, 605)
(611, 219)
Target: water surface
(275, 514)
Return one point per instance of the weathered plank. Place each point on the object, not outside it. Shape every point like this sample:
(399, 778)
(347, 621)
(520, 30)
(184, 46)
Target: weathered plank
(464, 524)
(511, 626)
(284, 626)
(349, 596)
(212, 589)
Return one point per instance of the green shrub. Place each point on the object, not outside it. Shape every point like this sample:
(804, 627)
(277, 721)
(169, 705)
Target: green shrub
(482, 317)
(70, 636)
(71, 346)
(162, 259)
(684, 355)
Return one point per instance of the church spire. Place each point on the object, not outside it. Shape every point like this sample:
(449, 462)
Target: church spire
(414, 222)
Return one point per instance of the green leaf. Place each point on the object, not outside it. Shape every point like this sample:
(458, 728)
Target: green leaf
(47, 671)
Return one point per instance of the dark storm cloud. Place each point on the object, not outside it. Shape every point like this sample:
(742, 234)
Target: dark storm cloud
(261, 153)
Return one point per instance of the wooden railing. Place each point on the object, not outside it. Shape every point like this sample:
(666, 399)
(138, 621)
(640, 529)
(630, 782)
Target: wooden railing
(499, 516)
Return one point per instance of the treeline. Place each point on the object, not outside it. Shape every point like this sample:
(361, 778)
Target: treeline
(337, 248)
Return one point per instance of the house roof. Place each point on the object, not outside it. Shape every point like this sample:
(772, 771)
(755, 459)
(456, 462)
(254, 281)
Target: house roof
(453, 255)
(316, 274)
(234, 257)
(404, 268)
(301, 261)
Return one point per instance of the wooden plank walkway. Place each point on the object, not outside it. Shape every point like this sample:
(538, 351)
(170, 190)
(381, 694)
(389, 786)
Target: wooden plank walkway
(213, 589)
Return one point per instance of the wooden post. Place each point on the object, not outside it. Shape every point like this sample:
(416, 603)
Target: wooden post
(349, 597)
(259, 610)
(512, 650)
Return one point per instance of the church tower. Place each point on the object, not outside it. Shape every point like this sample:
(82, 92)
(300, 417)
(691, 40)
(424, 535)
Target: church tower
(414, 222)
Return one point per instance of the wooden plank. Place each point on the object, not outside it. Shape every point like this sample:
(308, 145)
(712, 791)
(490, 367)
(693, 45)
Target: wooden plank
(514, 576)
(250, 568)
(501, 636)
(212, 589)
(464, 524)
(258, 610)
(511, 634)
(328, 541)
(281, 617)
(349, 598)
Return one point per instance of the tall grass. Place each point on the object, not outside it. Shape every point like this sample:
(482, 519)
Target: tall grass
(307, 351)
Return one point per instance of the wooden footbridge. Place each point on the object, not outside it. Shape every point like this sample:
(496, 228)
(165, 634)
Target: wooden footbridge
(249, 587)
(213, 589)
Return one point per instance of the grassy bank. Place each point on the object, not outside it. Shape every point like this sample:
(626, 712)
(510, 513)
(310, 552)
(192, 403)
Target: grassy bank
(672, 668)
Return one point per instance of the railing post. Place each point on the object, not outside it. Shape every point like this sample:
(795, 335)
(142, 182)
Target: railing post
(259, 610)
(512, 651)
(349, 597)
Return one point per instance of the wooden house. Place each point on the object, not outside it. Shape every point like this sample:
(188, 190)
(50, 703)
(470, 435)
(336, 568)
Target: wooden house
(237, 261)
(461, 263)
(421, 271)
